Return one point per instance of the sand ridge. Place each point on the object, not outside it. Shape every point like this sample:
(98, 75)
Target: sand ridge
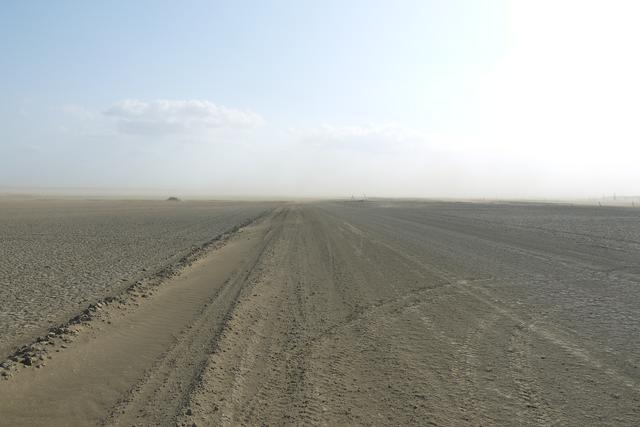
(59, 255)
(104, 364)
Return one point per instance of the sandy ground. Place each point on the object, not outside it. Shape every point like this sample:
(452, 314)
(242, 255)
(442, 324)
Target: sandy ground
(59, 255)
(368, 313)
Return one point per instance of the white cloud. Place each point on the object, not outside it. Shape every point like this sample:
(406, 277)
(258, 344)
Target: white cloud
(162, 117)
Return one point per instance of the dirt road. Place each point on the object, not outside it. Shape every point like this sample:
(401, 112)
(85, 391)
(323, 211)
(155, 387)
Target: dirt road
(339, 313)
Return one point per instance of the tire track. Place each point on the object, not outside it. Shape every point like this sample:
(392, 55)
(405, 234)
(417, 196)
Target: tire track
(161, 396)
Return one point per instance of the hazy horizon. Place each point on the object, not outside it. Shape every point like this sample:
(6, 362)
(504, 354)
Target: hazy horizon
(462, 99)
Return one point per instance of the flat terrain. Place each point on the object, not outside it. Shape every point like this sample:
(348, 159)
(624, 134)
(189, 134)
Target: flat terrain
(368, 313)
(57, 256)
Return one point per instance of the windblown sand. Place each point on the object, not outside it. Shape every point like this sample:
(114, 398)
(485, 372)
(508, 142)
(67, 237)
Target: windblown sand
(57, 256)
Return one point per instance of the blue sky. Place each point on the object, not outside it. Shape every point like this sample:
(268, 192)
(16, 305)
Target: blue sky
(405, 98)
(296, 60)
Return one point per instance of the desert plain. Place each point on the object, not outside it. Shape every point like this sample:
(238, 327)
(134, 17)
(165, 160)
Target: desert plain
(373, 312)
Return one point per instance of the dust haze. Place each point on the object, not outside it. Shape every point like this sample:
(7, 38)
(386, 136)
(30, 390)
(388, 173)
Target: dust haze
(320, 213)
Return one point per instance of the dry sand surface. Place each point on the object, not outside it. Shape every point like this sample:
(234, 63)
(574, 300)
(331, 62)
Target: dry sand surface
(374, 313)
(57, 256)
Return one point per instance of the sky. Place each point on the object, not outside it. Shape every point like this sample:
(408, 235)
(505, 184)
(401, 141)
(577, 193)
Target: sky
(458, 99)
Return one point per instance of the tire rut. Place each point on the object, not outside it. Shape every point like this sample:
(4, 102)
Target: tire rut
(164, 392)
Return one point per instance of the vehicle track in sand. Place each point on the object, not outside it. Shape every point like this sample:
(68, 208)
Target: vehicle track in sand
(402, 340)
(342, 314)
(162, 393)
